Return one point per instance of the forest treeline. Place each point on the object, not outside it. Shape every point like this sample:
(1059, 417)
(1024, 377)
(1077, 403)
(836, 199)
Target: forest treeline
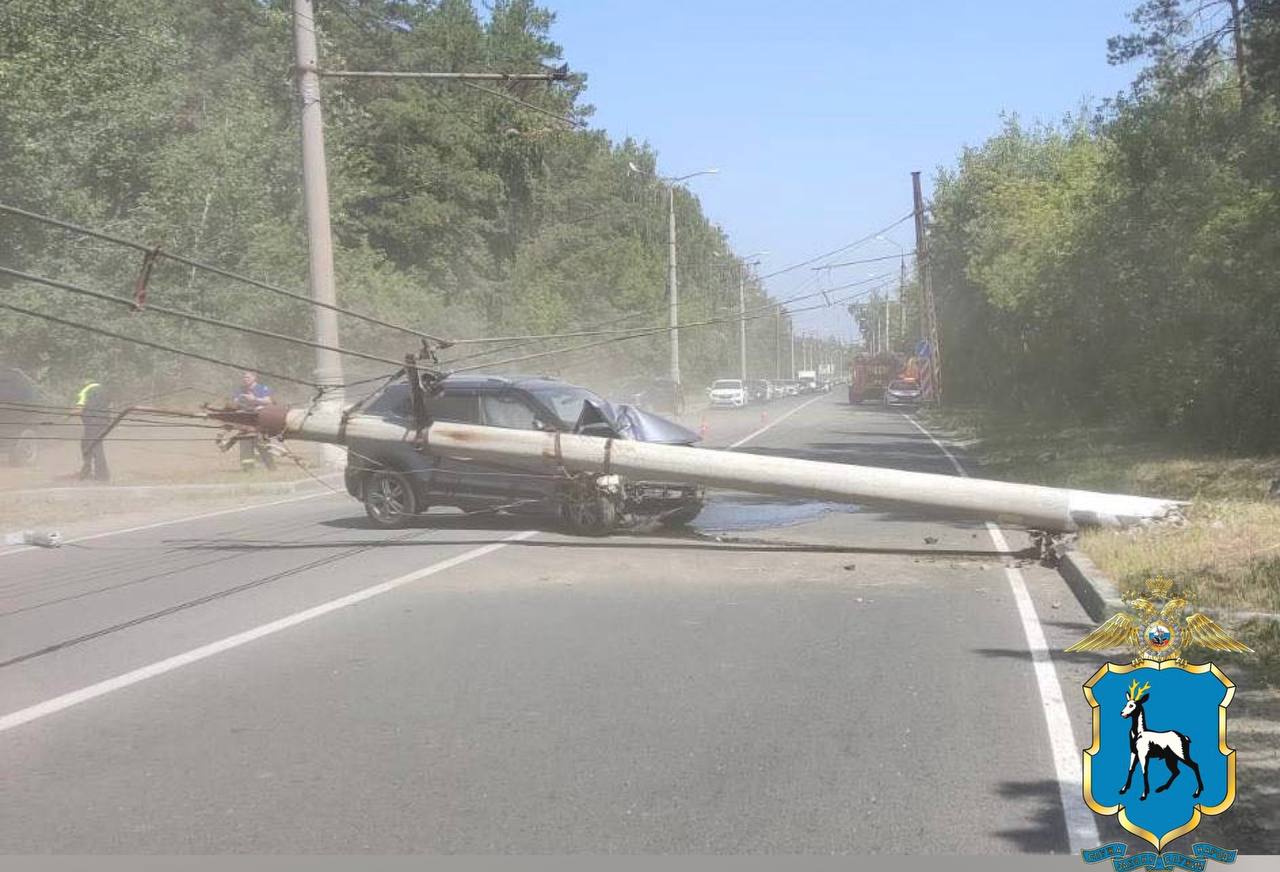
(456, 210)
(1124, 266)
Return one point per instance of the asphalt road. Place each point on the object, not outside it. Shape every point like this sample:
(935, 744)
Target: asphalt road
(795, 678)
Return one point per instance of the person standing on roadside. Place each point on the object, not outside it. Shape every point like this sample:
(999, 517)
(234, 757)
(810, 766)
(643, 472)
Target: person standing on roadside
(93, 407)
(250, 396)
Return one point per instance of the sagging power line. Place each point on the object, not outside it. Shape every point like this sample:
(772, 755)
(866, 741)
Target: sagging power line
(190, 316)
(159, 346)
(160, 252)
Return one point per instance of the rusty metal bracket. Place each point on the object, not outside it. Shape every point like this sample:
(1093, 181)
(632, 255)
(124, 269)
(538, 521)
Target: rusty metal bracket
(144, 275)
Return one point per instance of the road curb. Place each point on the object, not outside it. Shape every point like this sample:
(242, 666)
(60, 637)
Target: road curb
(1101, 598)
(1095, 591)
(248, 488)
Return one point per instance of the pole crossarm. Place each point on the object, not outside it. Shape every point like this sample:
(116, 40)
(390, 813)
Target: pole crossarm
(559, 75)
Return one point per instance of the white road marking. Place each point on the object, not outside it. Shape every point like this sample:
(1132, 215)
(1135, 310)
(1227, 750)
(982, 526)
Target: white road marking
(119, 682)
(170, 522)
(745, 439)
(1082, 829)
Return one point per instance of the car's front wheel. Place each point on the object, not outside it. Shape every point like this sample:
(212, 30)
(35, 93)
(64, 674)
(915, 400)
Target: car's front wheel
(389, 499)
(589, 513)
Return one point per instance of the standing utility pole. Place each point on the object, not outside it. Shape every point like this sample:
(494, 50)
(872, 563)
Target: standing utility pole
(742, 323)
(929, 312)
(1238, 39)
(673, 300)
(315, 188)
(777, 343)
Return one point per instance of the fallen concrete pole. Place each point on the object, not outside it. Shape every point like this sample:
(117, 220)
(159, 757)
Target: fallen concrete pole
(1055, 510)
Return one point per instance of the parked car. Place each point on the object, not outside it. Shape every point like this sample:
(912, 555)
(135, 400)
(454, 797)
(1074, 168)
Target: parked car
(23, 408)
(395, 481)
(759, 390)
(728, 392)
(902, 392)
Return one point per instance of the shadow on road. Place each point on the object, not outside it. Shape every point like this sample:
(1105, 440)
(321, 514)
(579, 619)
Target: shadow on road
(1042, 801)
(615, 542)
(1023, 654)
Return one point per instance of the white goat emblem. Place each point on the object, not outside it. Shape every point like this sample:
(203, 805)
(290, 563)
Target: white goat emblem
(1169, 745)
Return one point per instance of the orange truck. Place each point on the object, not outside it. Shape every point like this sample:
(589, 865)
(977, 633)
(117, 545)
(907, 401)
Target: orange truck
(870, 374)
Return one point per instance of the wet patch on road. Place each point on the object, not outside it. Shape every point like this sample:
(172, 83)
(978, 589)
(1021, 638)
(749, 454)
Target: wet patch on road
(740, 512)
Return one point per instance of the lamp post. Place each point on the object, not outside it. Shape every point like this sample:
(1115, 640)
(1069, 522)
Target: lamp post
(902, 281)
(673, 300)
(749, 260)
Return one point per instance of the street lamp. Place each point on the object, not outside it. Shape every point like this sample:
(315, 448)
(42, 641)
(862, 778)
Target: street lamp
(674, 298)
(902, 282)
(750, 260)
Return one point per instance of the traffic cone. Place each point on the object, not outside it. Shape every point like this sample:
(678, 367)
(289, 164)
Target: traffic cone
(703, 429)
(764, 416)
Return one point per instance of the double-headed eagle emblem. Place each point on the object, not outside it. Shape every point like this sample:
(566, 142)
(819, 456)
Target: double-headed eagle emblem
(1159, 632)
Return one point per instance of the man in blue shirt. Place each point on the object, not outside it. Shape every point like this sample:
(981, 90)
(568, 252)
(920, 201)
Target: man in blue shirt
(252, 395)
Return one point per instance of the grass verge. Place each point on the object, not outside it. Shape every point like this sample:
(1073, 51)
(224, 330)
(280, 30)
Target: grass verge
(1227, 554)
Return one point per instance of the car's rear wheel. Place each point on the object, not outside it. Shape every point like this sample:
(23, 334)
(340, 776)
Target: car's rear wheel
(389, 499)
(589, 512)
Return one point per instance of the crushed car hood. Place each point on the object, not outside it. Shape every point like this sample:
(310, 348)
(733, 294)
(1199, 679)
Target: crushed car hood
(635, 423)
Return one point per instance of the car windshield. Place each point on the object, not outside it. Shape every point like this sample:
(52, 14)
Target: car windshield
(726, 384)
(903, 386)
(566, 401)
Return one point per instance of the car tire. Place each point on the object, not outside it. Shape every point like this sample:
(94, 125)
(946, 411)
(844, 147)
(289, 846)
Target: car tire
(23, 450)
(589, 514)
(682, 517)
(389, 499)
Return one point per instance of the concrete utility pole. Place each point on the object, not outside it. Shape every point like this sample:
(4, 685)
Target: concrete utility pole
(777, 343)
(673, 281)
(315, 189)
(1238, 39)
(791, 329)
(929, 314)
(749, 260)
(673, 297)
(948, 496)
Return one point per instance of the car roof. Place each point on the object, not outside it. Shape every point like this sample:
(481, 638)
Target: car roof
(478, 381)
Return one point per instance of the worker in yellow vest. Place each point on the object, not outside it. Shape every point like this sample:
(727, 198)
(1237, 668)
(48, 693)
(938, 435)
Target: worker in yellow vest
(95, 415)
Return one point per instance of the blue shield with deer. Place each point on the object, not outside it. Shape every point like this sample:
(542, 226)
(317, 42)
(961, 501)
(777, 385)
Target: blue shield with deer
(1159, 757)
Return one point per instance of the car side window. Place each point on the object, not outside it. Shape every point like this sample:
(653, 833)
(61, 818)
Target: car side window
(458, 408)
(508, 410)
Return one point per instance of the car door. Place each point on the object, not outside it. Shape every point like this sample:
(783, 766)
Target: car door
(450, 482)
(511, 481)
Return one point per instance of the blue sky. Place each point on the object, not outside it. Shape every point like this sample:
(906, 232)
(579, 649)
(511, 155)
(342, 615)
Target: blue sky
(817, 112)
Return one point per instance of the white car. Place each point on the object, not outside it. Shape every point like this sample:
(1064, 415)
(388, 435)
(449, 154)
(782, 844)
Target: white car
(727, 392)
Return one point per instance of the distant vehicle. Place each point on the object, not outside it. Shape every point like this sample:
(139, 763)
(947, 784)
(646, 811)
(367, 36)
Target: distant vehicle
(728, 392)
(808, 379)
(790, 387)
(654, 395)
(869, 374)
(395, 481)
(759, 390)
(902, 392)
(23, 408)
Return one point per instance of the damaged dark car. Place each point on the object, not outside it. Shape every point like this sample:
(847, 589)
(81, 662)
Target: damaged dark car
(395, 482)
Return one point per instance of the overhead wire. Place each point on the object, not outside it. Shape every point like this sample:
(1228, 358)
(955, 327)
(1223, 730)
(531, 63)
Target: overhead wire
(191, 316)
(88, 328)
(860, 241)
(215, 270)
